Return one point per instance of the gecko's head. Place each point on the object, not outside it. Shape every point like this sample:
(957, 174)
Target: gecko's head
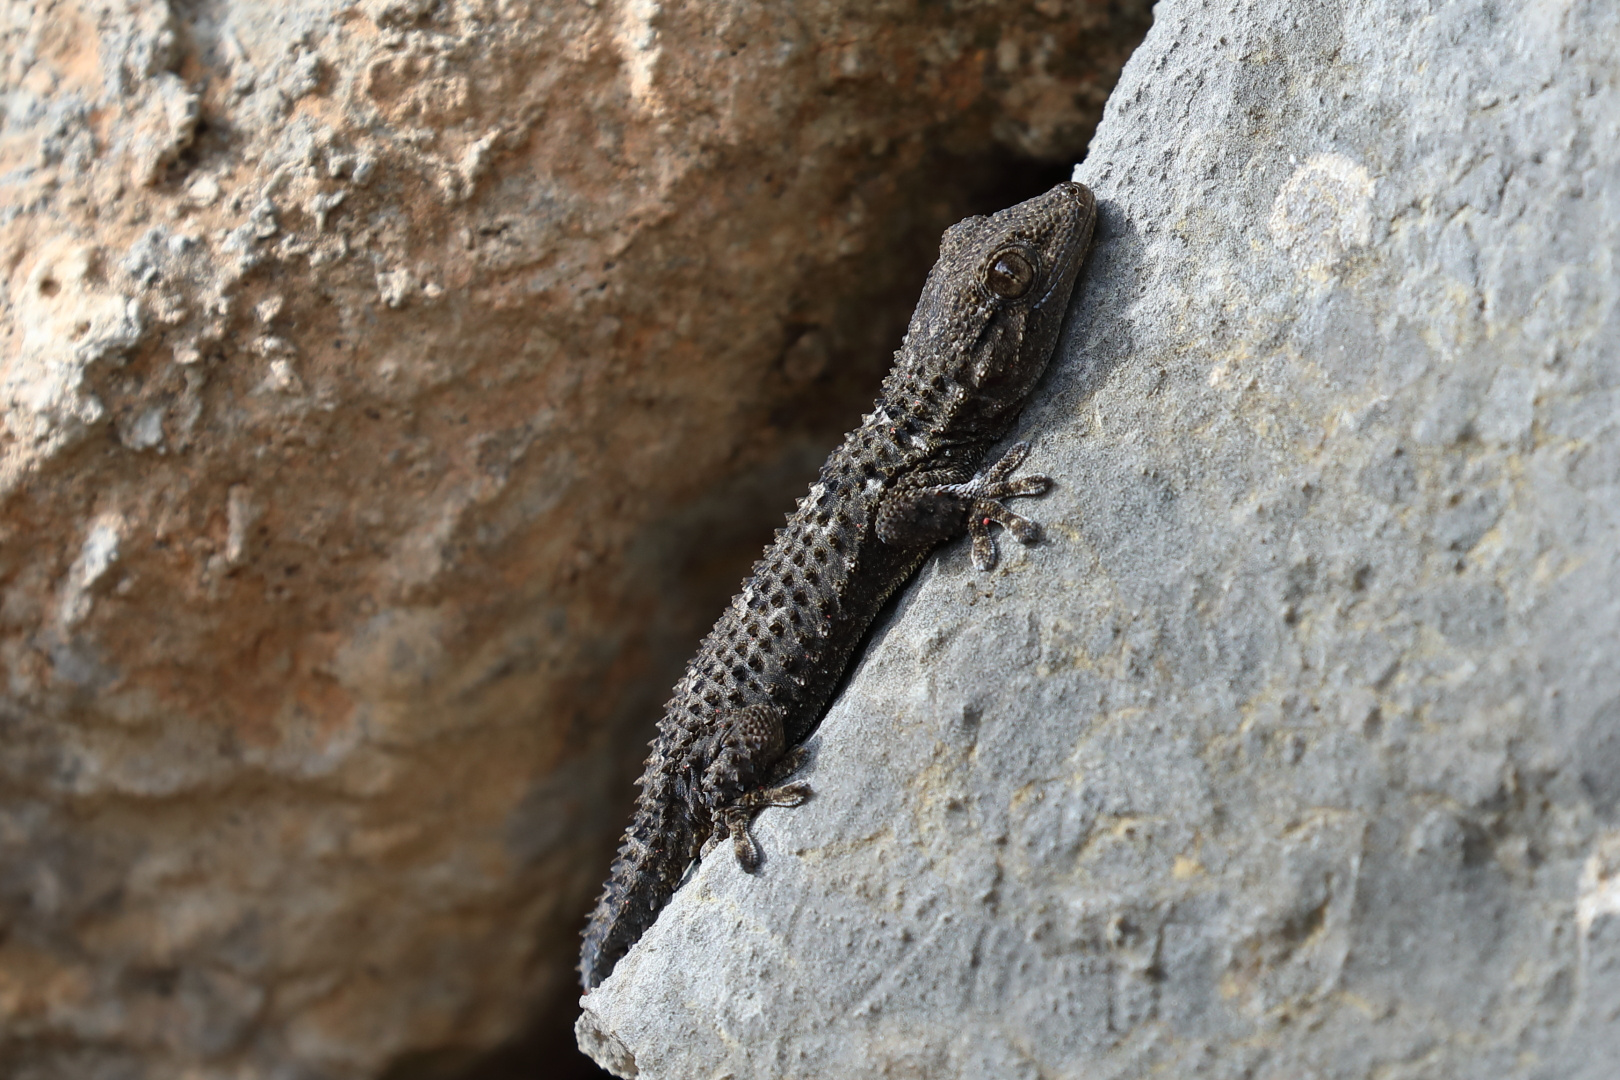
(995, 301)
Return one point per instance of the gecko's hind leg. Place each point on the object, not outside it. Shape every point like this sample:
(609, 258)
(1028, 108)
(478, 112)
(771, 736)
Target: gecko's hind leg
(745, 777)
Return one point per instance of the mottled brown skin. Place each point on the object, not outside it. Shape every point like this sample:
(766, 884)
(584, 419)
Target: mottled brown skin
(898, 486)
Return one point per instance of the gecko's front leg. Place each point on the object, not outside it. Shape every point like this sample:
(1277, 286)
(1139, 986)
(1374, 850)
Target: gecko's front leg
(932, 507)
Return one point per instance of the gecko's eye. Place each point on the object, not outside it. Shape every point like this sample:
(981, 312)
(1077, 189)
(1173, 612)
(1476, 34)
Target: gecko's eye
(1010, 275)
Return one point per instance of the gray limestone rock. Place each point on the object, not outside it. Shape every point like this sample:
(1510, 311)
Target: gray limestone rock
(1295, 749)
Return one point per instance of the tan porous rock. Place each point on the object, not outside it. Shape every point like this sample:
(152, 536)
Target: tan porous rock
(391, 392)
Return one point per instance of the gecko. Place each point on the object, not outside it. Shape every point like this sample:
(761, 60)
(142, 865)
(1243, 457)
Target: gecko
(907, 480)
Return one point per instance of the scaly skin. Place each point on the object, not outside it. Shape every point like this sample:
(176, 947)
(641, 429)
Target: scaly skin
(898, 486)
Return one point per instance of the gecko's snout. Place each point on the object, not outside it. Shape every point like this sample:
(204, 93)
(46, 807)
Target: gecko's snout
(1078, 192)
(1073, 207)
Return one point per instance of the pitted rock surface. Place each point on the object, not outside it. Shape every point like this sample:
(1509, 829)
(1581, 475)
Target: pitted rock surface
(1293, 751)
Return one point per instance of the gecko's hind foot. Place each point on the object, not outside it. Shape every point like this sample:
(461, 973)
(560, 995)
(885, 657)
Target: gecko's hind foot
(738, 817)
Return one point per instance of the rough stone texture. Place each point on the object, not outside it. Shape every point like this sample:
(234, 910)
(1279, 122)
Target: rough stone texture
(1295, 752)
(383, 384)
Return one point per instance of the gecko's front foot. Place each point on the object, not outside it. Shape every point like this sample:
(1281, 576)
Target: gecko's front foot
(985, 493)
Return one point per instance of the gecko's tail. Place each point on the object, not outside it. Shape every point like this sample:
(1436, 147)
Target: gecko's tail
(648, 869)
